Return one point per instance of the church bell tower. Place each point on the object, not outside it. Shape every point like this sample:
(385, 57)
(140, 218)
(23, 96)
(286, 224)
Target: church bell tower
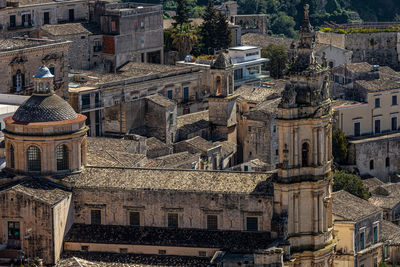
(302, 188)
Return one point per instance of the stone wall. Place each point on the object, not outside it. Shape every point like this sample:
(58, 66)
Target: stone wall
(251, 23)
(375, 48)
(377, 150)
(155, 205)
(28, 60)
(58, 13)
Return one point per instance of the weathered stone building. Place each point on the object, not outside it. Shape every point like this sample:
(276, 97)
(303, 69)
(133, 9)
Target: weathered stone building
(358, 224)
(19, 58)
(198, 214)
(254, 23)
(104, 98)
(19, 18)
(378, 48)
(370, 118)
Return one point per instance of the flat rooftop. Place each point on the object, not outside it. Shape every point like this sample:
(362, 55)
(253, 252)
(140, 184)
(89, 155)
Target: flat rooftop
(243, 48)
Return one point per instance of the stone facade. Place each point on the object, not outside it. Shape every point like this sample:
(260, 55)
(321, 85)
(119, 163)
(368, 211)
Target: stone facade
(251, 23)
(20, 58)
(21, 17)
(379, 48)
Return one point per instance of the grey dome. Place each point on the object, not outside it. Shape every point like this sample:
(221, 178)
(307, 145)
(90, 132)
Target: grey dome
(43, 72)
(44, 108)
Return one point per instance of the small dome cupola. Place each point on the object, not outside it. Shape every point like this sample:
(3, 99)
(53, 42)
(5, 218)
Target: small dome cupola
(43, 81)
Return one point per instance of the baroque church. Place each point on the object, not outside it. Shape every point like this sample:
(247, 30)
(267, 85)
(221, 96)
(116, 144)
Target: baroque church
(54, 205)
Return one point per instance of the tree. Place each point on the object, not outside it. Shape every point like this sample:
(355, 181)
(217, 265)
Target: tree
(350, 183)
(332, 6)
(208, 28)
(182, 13)
(283, 24)
(222, 33)
(277, 56)
(184, 37)
(339, 146)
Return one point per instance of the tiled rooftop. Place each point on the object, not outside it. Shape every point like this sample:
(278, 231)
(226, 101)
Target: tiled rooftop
(378, 84)
(161, 100)
(261, 93)
(263, 111)
(132, 71)
(41, 190)
(264, 40)
(386, 196)
(390, 232)
(200, 143)
(162, 236)
(372, 183)
(11, 44)
(351, 208)
(192, 118)
(169, 161)
(70, 29)
(155, 144)
(101, 259)
(172, 180)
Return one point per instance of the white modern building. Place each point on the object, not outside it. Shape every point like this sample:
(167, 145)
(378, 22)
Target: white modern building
(247, 62)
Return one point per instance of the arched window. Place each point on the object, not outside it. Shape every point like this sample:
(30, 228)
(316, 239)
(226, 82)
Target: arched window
(387, 162)
(11, 157)
(371, 164)
(62, 158)
(34, 159)
(230, 84)
(304, 154)
(218, 84)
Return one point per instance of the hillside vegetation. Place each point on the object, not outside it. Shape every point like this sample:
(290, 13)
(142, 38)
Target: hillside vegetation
(286, 15)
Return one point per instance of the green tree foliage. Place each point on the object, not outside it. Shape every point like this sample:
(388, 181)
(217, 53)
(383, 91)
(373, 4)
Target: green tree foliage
(214, 31)
(184, 37)
(332, 6)
(283, 24)
(339, 146)
(277, 56)
(350, 183)
(182, 13)
(208, 28)
(222, 33)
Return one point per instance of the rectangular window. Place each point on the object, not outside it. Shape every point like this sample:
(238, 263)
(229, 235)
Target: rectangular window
(134, 218)
(377, 126)
(14, 230)
(95, 216)
(12, 21)
(394, 123)
(357, 128)
(375, 234)
(238, 74)
(246, 168)
(362, 240)
(212, 222)
(71, 15)
(84, 248)
(123, 250)
(162, 252)
(170, 94)
(186, 94)
(202, 254)
(252, 223)
(173, 220)
(377, 102)
(394, 100)
(113, 26)
(46, 18)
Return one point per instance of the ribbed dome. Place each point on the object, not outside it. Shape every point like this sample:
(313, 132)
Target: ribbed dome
(44, 108)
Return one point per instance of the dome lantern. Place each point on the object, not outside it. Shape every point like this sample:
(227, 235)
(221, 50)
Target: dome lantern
(43, 81)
